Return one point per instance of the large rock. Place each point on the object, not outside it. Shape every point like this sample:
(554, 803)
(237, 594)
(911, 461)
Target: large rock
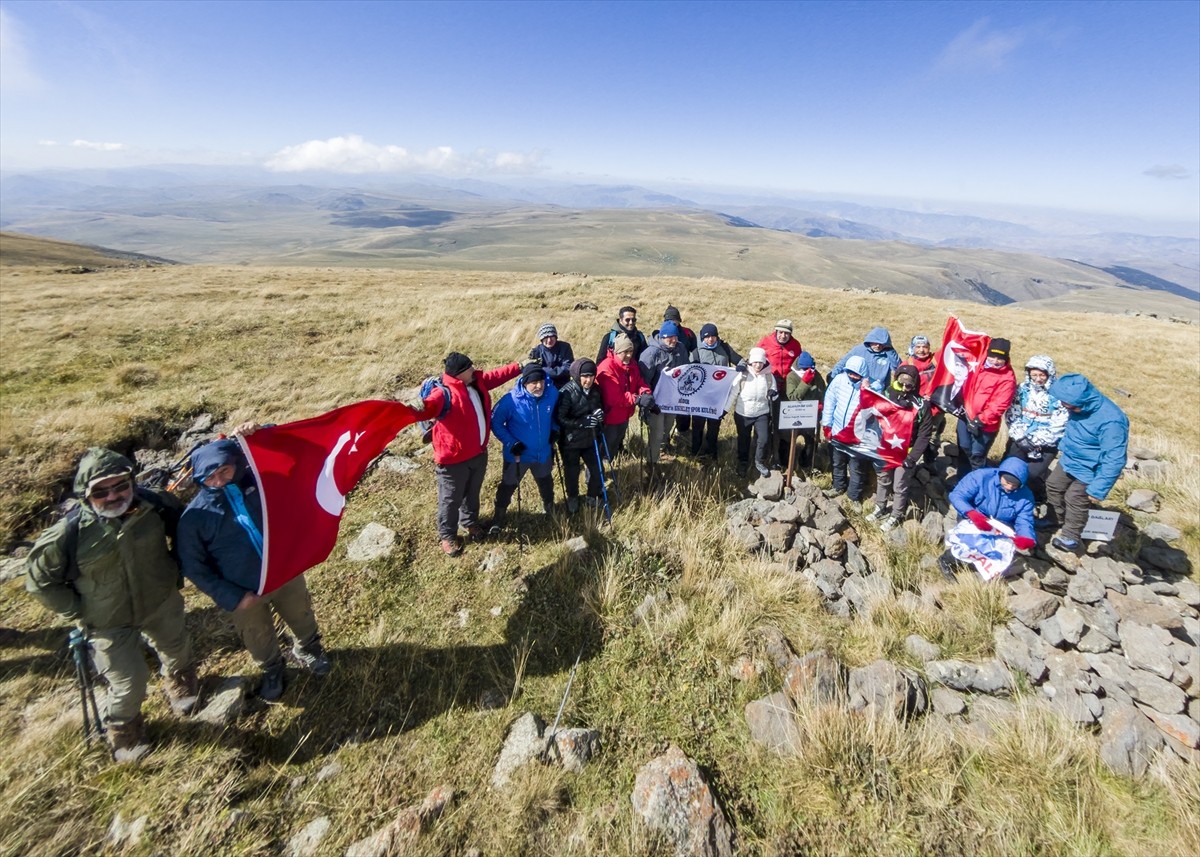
(225, 703)
(673, 805)
(1019, 652)
(1157, 693)
(881, 687)
(1147, 648)
(777, 536)
(1167, 558)
(373, 542)
(920, 648)
(1085, 587)
(1110, 572)
(1177, 727)
(1032, 607)
(865, 593)
(400, 836)
(523, 744)
(768, 487)
(1128, 740)
(815, 679)
(772, 723)
(1131, 609)
(307, 842)
(1143, 499)
(1159, 530)
(575, 747)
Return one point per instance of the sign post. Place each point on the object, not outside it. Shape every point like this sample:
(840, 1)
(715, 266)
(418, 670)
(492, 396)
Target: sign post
(794, 416)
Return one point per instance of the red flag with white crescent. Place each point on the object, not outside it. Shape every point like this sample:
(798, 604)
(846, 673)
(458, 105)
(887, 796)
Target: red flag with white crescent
(963, 352)
(305, 470)
(880, 428)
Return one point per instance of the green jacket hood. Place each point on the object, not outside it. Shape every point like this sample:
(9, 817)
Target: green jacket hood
(99, 463)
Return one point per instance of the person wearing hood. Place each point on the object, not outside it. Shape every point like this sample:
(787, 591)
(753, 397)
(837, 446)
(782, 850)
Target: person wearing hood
(460, 441)
(841, 403)
(622, 390)
(580, 416)
(987, 394)
(922, 358)
(782, 348)
(221, 551)
(713, 351)
(897, 481)
(1092, 455)
(109, 567)
(626, 323)
(553, 354)
(523, 422)
(750, 399)
(666, 351)
(687, 338)
(999, 493)
(879, 359)
(1036, 422)
(804, 384)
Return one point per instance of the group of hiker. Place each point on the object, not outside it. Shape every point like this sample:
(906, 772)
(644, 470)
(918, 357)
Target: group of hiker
(115, 565)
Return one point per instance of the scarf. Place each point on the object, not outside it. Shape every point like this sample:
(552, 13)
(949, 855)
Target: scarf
(238, 503)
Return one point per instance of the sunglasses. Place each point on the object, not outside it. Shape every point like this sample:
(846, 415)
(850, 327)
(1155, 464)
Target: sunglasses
(104, 493)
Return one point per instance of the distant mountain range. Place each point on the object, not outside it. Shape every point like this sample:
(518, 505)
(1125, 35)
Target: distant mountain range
(213, 215)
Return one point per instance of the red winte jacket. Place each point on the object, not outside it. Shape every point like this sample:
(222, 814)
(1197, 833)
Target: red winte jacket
(780, 358)
(620, 386)
(988, 394)
(456, 435)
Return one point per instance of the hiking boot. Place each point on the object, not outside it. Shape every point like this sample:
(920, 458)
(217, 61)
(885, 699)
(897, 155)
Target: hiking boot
(763, 470)
(890, 523)
(593, 502)
(273, 682)
(312, 657)
(182, 689)
(875, 515)
(833, 493)
(1065, 544)
(128, 740)
(572, 505)
(451, 547)
(742, 468)
(476, 533)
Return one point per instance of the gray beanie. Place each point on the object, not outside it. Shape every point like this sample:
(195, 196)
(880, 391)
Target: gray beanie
(547, 329)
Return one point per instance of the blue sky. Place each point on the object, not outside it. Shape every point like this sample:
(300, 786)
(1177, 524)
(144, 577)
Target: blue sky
(1090, 106)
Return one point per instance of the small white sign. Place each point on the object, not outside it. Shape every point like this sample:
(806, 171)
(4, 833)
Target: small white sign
(1101, 525)
(798, 415)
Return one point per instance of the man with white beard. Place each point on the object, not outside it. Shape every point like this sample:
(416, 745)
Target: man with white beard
(109, 567)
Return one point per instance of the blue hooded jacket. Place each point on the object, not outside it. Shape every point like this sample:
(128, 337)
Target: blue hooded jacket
(215, 552)
(521, 416)
(1094, 445)
(981, 490)
(879, 367)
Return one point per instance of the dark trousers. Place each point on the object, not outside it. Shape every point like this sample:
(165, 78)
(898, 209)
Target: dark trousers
(510, 479)
(683, 423)
(848, 472)
(972, 449)
(704, 435)
(573, 461)
(458, 489)
(935, 442)
(1069, 501)
(614, 436)
(1039, 468)
(760, 426)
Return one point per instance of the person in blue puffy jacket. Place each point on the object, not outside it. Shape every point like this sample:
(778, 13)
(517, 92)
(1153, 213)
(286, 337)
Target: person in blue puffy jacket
(523, 421)
(880, 359)
(1091, 456)
(999, 493)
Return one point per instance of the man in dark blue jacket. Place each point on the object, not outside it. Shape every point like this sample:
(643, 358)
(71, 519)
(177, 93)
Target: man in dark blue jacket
(555, 355)
(1091, 456)
(220, 550)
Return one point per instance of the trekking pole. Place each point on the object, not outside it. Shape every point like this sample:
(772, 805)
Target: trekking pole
(603, 487)
(612, 468)
(553, 731)
(77, 642)
(562, 479)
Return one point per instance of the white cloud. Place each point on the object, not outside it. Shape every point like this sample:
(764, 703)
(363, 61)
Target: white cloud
(17, 74)
(1167, 171)
(353, 154)
(98, 147)
(979, 47)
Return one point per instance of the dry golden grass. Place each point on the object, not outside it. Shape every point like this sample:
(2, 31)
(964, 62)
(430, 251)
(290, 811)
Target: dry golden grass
(117, 356)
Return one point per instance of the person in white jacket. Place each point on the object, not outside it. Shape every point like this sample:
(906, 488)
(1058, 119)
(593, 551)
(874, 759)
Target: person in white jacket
(750, 400)
(841, 403)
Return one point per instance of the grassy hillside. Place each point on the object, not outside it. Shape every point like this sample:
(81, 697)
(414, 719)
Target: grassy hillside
(31, 251)
(418, 640)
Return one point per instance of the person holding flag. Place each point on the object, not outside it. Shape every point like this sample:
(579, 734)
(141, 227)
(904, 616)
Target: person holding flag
(840, 407)
(986, 396)
(993, 500)
(897, 480)
(920, 356)
(221, 550)
(713, 351)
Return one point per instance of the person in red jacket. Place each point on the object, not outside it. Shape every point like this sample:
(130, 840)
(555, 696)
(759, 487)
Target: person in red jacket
(622, 391)
(782, 350)
(986, 397)
(460, 440)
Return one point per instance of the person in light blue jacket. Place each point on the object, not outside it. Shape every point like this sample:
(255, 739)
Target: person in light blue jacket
(841, 403)
(879, 358)
(523, 421)
(1091, 456)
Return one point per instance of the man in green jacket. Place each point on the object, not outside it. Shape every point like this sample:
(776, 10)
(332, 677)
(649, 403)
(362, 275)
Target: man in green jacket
(108, 566)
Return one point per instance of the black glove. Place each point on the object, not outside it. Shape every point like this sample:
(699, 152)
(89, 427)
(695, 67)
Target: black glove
(975, 428)
(911, 462)
(742, 368)
(595, 419)
(645, 401)
(654, 408)
(534, 355)
(516, 449)
(773, 395)
(1025, 444)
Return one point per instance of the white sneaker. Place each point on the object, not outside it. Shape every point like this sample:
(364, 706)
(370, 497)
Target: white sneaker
(890, 523)
(874, 516)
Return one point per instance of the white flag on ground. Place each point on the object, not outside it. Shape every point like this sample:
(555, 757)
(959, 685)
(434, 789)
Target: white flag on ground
(696, 389)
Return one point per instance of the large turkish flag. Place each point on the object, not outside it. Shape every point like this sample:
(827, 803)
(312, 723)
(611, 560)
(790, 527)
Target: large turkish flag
(304, 471)
(879, 429)
(963, 352)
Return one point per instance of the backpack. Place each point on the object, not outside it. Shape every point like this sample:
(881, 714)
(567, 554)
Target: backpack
(427, 388)
(170, 519)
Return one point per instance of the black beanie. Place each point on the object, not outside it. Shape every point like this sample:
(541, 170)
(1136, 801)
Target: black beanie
(999, 348)
(533, 372)
(708, 330)
(672, 314)
(909, 370)
(457, 363)
(583, 366)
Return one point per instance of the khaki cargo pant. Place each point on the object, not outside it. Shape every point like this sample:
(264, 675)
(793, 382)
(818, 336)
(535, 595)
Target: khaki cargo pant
(293, 605)
(122, 663)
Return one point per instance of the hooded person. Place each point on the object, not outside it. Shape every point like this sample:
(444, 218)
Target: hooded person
(622, 391)
(987, 394)
(782, 348)
(580, 417)
(460, 441)
(220, 544)
(750, 399)
(710, 350)
(841, 404)
(999, 493)
(806, 384)
(922, 358)
(626, 323)
(666, 351)
(554, 355)
(108, 566)
(1036, 421)
(896, 482)
(1091, 456)
(879, 358)
(523, 422)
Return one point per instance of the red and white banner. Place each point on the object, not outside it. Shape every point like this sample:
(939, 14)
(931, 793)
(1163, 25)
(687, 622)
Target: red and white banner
(699, 389)
(880, 429)
(304, 471)
(963, 352)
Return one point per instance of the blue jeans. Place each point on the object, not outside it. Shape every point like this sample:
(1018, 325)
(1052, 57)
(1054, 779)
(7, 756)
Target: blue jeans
(848, 472)
(972, 450)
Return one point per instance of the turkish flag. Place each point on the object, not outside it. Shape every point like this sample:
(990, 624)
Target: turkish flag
(880, 429)
(963, 352)
(304, 471)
